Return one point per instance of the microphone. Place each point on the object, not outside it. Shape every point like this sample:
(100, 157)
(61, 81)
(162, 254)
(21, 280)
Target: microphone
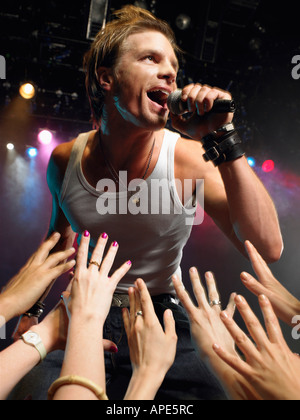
(178, 107)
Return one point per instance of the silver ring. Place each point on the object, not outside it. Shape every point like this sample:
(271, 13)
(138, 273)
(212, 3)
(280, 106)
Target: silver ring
(139, 313)
(95, 263)
(215, 303)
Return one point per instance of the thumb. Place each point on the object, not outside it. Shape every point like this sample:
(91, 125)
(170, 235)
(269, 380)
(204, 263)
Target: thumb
(110, 346)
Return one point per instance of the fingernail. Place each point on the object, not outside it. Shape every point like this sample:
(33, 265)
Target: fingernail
(86, 234)
(239, 299)
(224, 315)
(115, 244)
(114, 349)
(244, 277)
(104, 235)
(129, 262)
(216, 347)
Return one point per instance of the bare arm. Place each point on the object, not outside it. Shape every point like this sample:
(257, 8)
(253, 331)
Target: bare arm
(234, 196)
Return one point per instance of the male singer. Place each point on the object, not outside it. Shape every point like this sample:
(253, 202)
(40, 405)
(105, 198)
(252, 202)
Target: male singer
(131, 70)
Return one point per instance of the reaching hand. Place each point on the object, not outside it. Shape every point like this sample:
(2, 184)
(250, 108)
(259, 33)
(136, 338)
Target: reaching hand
(27, 287)
(92, 288)
(206, 326)
(285, 305)
(270, 366)
(152, 350)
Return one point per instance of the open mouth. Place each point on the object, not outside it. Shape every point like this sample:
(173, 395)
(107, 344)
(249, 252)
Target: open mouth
(159, 96)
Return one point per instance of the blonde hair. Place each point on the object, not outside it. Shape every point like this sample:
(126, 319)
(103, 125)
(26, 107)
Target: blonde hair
(107, 45)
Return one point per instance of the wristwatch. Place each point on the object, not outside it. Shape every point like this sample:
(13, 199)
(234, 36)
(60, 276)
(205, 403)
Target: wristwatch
(33, 339)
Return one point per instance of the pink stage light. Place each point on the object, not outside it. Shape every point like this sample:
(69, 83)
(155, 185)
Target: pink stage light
(268, 166)
(45, 137)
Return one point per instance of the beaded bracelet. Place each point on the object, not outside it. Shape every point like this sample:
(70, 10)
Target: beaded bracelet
(76, 380)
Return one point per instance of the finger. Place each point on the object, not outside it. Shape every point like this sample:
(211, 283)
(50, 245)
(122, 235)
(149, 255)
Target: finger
(231, 307)
(126, 321)
(202, 100)
(44, 249)
(61, 269)
(234, 362)
(252, 323)
(169, 323)
(146, 304)
(183, 296)
(240, 338)
(259, 265)
(253, 285)
(110, 346)
(271, 321)
(198, 289)
(58, 257)
(138, 305)
(98, 251)
(82, 253)
(192, 96)
(213, 294)
(109, 257)
(132, 305)
(120, 272)
(186, 91)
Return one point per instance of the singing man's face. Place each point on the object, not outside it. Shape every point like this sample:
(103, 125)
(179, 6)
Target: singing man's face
(146, 74)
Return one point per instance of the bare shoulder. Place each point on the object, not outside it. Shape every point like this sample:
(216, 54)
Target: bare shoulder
(58, 164)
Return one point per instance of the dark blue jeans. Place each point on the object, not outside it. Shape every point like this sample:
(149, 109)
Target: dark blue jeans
(188, 379)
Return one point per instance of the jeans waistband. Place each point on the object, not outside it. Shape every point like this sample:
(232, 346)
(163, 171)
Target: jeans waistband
(122, 301)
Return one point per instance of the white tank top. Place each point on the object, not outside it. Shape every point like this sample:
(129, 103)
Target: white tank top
(153, 241)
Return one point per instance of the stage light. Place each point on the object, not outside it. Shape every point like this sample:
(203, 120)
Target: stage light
(45, 137)
(10, 146)
(27, 91)
(268, 166)
(32, 152)
(251, 162)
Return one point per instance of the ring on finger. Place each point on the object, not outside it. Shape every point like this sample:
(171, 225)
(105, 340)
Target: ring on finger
(95, 263)
(215, 303)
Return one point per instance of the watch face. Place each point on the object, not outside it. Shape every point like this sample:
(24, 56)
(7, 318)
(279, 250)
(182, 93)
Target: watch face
(32, 337)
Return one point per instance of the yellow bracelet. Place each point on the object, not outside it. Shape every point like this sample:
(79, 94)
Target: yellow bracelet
(77, 380)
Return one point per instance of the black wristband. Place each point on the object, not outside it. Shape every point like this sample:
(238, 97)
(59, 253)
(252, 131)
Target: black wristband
(223, 149)
(36, 311)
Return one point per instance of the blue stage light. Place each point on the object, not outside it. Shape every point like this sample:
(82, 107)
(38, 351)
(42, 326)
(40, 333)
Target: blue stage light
(32, 152)
(251, 162)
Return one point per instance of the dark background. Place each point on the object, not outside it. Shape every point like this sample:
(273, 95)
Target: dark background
(239, 45)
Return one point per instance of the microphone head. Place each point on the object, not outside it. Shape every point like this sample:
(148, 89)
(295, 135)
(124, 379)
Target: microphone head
(175, 104)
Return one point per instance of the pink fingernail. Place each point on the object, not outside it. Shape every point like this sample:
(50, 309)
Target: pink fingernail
(129, 262)
(115, 244)
(104, 235)
(86, 234)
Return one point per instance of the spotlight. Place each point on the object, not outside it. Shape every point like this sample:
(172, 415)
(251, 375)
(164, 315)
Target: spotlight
(32, 152)
(183, 21)
(45, 137)
(27, 91)
(268, 166)
(251, 162)
(10, 146)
